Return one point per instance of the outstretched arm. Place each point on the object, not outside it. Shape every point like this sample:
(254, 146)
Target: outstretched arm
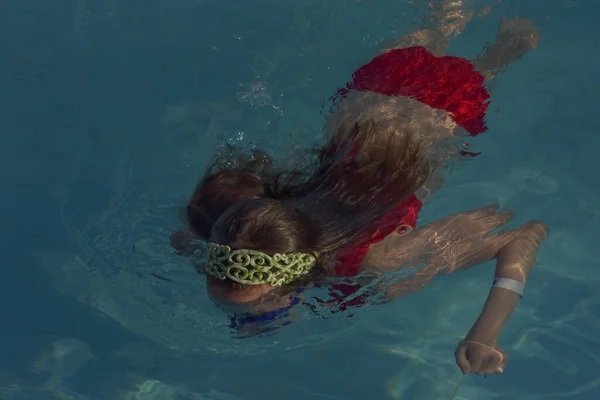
(479, 351)
(458, 242)
(451, 244)
(514, 261)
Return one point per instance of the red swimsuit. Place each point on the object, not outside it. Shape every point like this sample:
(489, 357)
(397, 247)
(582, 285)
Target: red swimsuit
(447, 83)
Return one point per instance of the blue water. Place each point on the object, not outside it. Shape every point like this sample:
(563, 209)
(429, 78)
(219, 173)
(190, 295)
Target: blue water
(109, 112)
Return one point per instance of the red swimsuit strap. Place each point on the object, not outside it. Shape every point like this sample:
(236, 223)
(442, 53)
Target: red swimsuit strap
(350, 259)
(405, 213)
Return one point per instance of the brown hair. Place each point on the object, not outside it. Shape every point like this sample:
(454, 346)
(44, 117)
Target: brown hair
(353, 180)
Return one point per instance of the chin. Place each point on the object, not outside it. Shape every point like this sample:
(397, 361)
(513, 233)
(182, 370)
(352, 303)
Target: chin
(225, 292)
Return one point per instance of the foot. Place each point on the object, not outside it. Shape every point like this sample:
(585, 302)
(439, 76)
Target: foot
(451, 17)
(432, 39)
(445, 20)
(515, 38)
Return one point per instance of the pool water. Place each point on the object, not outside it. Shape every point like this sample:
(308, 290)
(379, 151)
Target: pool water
(110, 112)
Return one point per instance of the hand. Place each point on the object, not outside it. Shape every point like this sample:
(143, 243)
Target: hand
(480, 358)
(182, 242)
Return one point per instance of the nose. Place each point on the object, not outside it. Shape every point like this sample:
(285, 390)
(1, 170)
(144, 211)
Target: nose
(225, 292)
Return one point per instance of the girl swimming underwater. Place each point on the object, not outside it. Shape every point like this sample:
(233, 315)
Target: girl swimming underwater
(354, 211)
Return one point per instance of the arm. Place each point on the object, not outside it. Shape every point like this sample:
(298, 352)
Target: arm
(458, 242)
(513, 261)
(479, 351)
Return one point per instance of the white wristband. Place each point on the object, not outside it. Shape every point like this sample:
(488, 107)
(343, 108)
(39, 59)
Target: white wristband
(509, 284)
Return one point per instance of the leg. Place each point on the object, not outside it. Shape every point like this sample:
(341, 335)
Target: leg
(449, 19)
(515, 38)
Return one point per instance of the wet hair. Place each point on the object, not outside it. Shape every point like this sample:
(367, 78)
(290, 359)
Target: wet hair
(267, 225)
(334, 200)
(216, 193)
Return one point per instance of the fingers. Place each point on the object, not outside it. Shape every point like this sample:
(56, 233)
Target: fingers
(461, 359)
(480, 359)
(490, 364)
(476, 358)
(495, 221)
(502, 365)
(491, 212)
(494, 363)
(490, 209)
(484, 211)
(503, 217)
(490, 219)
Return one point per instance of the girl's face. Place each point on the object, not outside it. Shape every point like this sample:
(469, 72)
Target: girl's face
(249, 298)
(224, 292)
(254, 299)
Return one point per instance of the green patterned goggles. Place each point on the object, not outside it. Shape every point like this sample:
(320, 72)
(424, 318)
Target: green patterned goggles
(251, 267)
